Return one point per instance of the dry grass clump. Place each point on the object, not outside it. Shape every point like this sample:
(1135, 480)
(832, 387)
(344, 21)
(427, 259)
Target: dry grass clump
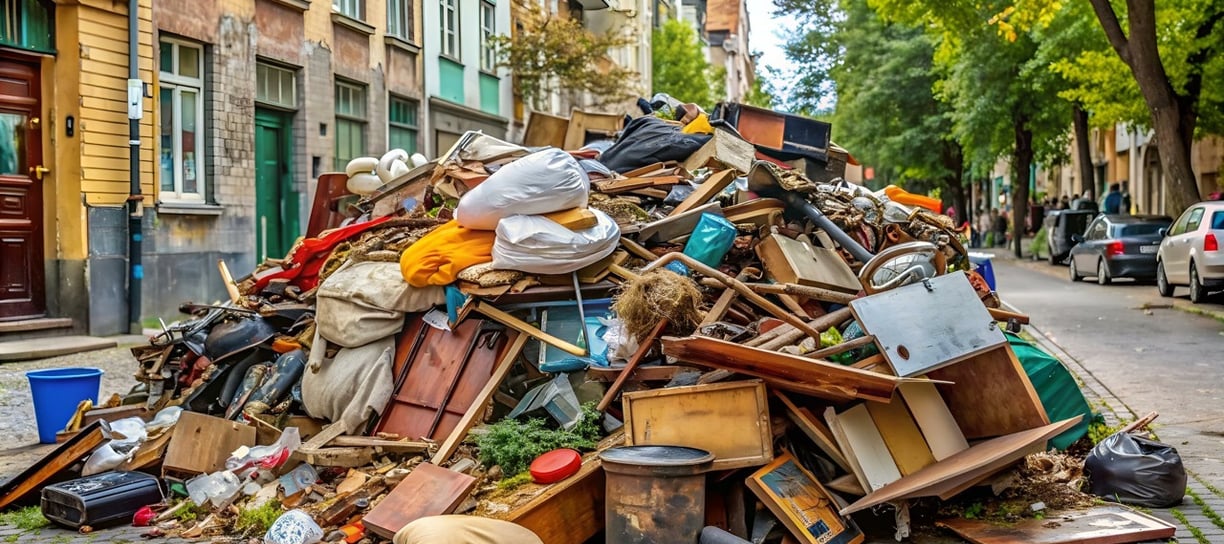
(659, 294)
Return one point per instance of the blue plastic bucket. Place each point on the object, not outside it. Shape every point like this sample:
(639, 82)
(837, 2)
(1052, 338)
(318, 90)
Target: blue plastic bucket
(982, 263)
(57, 392)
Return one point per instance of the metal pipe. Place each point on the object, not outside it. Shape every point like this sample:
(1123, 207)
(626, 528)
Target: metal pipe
(835, 232)
(135, 199)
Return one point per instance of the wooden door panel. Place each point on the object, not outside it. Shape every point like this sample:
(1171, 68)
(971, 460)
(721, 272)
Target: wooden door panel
(21, 214)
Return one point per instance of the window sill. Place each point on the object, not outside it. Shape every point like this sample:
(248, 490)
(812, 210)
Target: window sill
(484, 72)
(352, 24)
(188, 208)
(450, 58)
(400, 43)
(299, 5)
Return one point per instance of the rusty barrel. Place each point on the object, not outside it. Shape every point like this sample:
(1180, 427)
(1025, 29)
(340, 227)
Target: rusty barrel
(655, 494)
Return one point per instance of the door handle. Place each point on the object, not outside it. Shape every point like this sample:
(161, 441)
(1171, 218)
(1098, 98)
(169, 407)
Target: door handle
(37, 172)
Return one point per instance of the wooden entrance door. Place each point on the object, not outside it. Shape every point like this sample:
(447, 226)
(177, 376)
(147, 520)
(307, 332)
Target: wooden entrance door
(22, 292)
(276, 204)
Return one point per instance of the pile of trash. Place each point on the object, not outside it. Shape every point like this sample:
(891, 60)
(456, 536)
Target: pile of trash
(692, 330)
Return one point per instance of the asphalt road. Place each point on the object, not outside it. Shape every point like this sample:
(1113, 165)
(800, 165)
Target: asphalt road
(1150, 355)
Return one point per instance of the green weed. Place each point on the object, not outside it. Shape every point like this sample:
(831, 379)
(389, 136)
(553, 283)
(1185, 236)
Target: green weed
(255, 521)
(513, 444)
(26, 519)
(515, 481)
(1207, 511)
(1198, 534)
(974, 511)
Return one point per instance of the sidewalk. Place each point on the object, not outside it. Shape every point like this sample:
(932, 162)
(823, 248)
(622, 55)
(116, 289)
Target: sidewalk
(1198, 518)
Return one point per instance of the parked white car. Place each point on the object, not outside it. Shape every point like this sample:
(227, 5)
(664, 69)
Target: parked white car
(1190, 252)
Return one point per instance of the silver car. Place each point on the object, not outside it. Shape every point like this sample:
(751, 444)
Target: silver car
(1190, 252)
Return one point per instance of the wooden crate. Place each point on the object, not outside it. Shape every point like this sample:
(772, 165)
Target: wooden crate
(730, 420)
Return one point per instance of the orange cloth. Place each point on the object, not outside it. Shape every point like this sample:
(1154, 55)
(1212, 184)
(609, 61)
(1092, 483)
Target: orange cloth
(437, 258)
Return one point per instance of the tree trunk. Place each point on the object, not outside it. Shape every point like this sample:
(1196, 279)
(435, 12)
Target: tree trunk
(1022, 162)
(1083, 150)
(954, 160)
(1174, 114)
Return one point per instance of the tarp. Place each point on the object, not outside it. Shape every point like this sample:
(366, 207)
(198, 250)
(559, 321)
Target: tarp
(1057, 389)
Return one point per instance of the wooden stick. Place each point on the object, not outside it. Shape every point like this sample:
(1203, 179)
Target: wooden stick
(1140, 423)
(823, 322)
(1004, 315)
(823, 295)
(637, 249)
(739, 286)
(843, 347)
(719, 309)
(477, 408)
(527, 328)
(228, 280)
(634, 361)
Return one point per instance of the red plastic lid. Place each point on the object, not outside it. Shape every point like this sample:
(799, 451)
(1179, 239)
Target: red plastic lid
(555, 466)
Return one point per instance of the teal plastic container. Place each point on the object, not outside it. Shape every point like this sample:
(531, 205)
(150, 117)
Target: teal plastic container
(57, 392)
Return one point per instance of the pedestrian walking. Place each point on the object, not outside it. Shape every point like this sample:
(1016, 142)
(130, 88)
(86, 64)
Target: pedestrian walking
(1113, 199)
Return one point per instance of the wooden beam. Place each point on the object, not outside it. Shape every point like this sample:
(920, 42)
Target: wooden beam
(643, 348)
(706, 191)
(527, 328)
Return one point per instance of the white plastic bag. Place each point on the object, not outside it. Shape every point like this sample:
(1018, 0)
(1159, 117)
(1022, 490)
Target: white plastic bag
(543, 182)
(538, 245)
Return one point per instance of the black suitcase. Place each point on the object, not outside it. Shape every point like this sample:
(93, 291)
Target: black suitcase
(100, 499)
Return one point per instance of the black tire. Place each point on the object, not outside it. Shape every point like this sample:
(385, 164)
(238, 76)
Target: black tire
(1073, 271)
(1198, 293)
(1102, 272)
(1162, 282)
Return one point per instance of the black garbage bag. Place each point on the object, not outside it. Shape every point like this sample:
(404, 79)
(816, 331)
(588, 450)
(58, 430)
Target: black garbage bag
(647, 140)
(1134, 470)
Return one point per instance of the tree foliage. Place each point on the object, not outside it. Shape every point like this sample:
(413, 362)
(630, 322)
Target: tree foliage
(553, 54)
(680, 68)
(761, 93)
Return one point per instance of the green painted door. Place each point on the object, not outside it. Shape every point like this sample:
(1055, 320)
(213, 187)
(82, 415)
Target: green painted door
(276, 203)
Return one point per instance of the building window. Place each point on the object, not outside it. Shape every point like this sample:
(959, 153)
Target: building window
(275, 86)
(181, 128)
(350, 123)
(354, 9)
(450, 28)
(402, 124)
(488, 26)
(399, 19)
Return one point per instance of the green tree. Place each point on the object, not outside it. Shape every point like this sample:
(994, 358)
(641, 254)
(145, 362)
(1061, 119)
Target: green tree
(680, 68)
(1005, 99)
(887, 112)
(761, 94)
(1174, 54)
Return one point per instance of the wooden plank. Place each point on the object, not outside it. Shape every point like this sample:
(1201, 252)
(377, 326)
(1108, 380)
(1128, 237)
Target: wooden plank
(864, 443)
(429, 490)
(645, 170)
(972, 464)
(379, 444)
(943, 436)
(979, 383)
(644, 346)
(900, 432)
(652, 373)
(148, 454)
(704, 192)
(527, 328)
(60, 459)
(848, 484)
(730, 420)
(790, 261)
(917, 332)
(476, 409)
(814, 429)
(787, 372)
(201, 443)
(1110, 524)
(574, 218)
(584, 123)
(570, 511)
(724, 150)
(807, 510)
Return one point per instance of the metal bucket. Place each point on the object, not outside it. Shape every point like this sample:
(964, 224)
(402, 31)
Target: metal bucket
(655, 494)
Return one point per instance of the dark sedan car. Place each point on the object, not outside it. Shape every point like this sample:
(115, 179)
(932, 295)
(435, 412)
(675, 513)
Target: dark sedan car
(1118, 246)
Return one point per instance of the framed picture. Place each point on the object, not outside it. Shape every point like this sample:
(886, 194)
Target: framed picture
(801, 503)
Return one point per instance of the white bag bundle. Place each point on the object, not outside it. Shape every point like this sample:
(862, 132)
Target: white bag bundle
(543, 182)
(538, 245)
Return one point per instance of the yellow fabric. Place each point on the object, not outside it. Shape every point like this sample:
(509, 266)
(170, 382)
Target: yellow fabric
(438, 258)
(700, 125)
(464, 530)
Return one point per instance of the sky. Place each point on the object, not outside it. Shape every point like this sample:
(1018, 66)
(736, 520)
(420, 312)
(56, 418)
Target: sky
(767, 36)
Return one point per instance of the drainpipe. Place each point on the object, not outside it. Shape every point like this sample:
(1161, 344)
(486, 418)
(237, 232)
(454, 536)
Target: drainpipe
(135, 201)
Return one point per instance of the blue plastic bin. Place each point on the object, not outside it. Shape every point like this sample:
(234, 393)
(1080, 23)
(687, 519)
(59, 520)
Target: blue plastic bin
(981, 263)
(57, 392)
